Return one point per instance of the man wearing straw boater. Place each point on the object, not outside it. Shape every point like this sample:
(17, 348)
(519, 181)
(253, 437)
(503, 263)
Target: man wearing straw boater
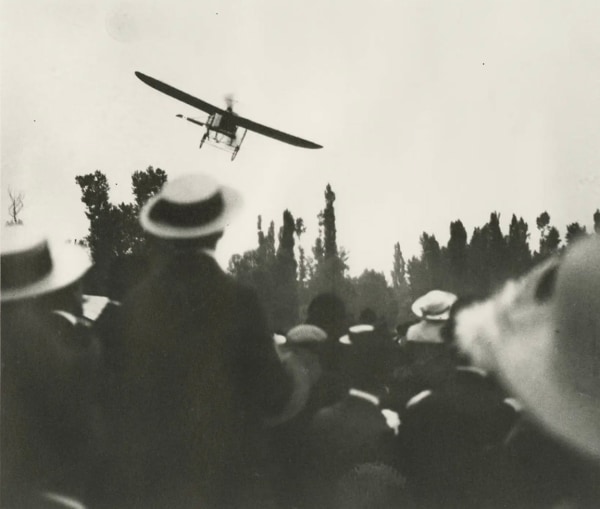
(50, 363)
(196, 375)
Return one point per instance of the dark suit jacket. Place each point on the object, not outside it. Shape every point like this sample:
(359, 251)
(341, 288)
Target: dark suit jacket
(340, 437)
(193, 371)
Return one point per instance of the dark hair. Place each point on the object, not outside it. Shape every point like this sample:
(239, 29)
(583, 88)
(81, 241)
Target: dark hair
(328, 311)
(196, 243)
(368, 316)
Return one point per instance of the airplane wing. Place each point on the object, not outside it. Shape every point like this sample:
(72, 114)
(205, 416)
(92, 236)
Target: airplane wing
(274, 133)
(210, 109)
(179, 95)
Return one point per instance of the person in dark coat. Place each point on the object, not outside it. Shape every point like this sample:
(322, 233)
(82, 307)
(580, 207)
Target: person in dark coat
(447, 435)
(426, 359)
(316, 342)
(194, 372)
(354, 430)
(50, 370)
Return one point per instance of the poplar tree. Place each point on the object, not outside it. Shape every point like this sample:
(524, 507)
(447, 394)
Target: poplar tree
(285, 298)
(330, 263)
(496, 252)
(456, 254)
(517, 242)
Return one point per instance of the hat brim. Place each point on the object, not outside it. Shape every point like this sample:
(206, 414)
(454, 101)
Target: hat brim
(527, 368)
(524, 361)
(306, 334)
(437, 298)
(232, 200)
(69, 264)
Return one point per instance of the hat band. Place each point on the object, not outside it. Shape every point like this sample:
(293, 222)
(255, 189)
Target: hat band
(189, 215)
(26, 267)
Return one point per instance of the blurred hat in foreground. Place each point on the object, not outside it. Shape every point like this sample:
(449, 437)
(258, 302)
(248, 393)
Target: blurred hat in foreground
(32, 265)
(190, 207)
(434, 305)
(541, 335)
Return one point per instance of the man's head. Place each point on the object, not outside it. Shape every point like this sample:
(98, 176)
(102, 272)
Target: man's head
(433, 309)
(328, 312)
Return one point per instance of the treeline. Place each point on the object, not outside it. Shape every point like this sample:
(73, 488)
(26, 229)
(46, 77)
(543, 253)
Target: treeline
(479, 265)
(287, 277)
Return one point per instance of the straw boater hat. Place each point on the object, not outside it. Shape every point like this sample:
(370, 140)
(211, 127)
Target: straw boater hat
(190, 207)
(33, 266)
(358, 334)
(433, 309)
(434, 305)
(541, 335)
(306, 334)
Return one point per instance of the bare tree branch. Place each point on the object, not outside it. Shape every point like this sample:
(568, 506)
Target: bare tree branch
(16, 206)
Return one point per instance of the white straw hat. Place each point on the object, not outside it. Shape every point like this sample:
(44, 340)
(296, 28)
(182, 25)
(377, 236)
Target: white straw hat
(32, 265)
(306, 334)
(190, 207)
(434, 305)
(541, 335)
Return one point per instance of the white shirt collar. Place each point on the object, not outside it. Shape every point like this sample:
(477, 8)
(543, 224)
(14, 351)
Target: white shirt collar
(371, 398)
(63, 500)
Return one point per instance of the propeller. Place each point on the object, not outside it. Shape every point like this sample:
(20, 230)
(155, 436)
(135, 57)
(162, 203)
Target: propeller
(229, 100)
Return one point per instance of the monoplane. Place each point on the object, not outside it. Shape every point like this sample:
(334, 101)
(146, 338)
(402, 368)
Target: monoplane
(224, 128)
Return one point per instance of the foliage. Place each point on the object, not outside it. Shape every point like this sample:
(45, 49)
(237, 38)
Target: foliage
(371, 290)
(285, 305)
(272, 271)
(400, 286)
(549, 237)
(114, 235)
(330, 266)
(575, 232)
(286, 277)
(517, 243)
(457, 258)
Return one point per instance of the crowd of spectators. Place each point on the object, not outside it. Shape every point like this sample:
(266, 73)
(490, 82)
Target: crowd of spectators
(179, 395)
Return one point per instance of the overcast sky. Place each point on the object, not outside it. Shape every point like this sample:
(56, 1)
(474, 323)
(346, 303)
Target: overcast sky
(429, 111)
